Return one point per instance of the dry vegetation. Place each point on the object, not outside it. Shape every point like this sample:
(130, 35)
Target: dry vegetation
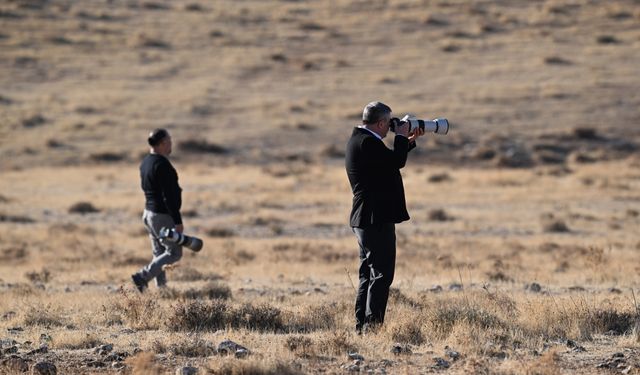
(522, 252)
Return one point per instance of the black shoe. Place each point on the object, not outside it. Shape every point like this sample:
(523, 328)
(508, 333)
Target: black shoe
(141, 284)
(358, 330)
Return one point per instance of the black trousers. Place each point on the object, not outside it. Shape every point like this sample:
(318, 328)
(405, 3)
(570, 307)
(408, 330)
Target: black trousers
(377, 268)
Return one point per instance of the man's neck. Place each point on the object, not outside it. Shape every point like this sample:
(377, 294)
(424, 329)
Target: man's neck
(364, 126)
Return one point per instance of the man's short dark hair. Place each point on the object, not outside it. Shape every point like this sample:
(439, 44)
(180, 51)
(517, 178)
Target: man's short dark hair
(156, 136)
(374, 112)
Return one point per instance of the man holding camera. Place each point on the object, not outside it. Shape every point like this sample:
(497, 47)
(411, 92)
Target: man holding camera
(378, 204)
(163, 197)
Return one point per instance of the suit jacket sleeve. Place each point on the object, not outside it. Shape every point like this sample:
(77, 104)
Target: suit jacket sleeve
(384, 157)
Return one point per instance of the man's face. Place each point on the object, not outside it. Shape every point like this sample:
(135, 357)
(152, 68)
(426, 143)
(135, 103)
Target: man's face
(383, 125)
(165, 145)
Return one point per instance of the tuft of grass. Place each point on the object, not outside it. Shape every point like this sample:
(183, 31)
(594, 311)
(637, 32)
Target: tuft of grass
(42, 316)
(137, 311)
(213, 290)
(300, 345)
(193, 347)
(76, 340)
(256, 367)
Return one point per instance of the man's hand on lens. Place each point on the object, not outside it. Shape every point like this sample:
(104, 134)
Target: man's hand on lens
(403, 128)
(418, 132)
(179, 228)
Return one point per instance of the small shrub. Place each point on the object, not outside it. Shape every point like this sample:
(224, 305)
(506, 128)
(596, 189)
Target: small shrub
(34, 121)
(4, 218)
(337, 342)
(220, 232)
(439, 214)
(607, 39)
(140, 312)
(439, 177)
(408, 332)
(611, 321)
(198, 146)
(300, 345)
(555, 226)
(77, 340)
(262, 317)
(447, 315)
(107, 157)
(42, 316)
(43, 276)
(83, 208)
(193, 348)
(192, 274)
(197, 315)
(242, 367)
(212, 290)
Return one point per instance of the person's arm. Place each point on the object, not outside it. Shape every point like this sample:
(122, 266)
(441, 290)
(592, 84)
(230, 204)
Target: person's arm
(171, 191)
(382, 157)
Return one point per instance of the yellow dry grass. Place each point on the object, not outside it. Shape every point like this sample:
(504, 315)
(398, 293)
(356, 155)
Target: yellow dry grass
(517, 270)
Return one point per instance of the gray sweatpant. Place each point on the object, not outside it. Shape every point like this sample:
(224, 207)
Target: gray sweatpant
(164, 252)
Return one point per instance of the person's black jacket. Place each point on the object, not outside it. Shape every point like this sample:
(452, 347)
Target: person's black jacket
(374, 174)
(159, 182)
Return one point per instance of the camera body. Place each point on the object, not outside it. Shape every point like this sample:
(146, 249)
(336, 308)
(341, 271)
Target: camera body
(437, 126)
(170, 234)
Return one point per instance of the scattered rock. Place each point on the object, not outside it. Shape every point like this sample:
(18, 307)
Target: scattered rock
(398, 349)
(355, 356)
(186, 370)
(617, 360)
(354, 367)
(229, 347)
(10, 350)
(452, 354)
(103, 349)
(44, 368)
(435, 289)
(455, 287)
(83, 208)
(5, 343)
(15, 329)
(575, 347)
(43, 349)
(614, 291)
(117, 357)
(441, 363)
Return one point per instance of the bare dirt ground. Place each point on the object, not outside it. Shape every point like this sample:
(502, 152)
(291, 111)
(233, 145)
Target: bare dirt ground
(522, 252)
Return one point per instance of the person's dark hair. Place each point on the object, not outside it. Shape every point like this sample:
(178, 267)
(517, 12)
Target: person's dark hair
(156, 136)
(374, 112)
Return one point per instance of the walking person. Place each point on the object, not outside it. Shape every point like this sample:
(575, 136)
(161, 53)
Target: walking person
(378, 204)
(163, 199)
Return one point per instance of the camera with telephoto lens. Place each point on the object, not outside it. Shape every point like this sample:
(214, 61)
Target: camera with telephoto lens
(171, 234)
(438, 126)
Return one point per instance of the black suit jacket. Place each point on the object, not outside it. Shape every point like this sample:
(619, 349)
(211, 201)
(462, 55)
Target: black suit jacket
(374, 174)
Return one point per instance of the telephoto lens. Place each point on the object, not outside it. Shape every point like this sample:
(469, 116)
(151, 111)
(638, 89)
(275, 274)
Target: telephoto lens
(190, 242)
(437, 126)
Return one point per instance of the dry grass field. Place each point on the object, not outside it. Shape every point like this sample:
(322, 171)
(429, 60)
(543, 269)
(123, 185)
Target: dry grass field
(523, 252)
